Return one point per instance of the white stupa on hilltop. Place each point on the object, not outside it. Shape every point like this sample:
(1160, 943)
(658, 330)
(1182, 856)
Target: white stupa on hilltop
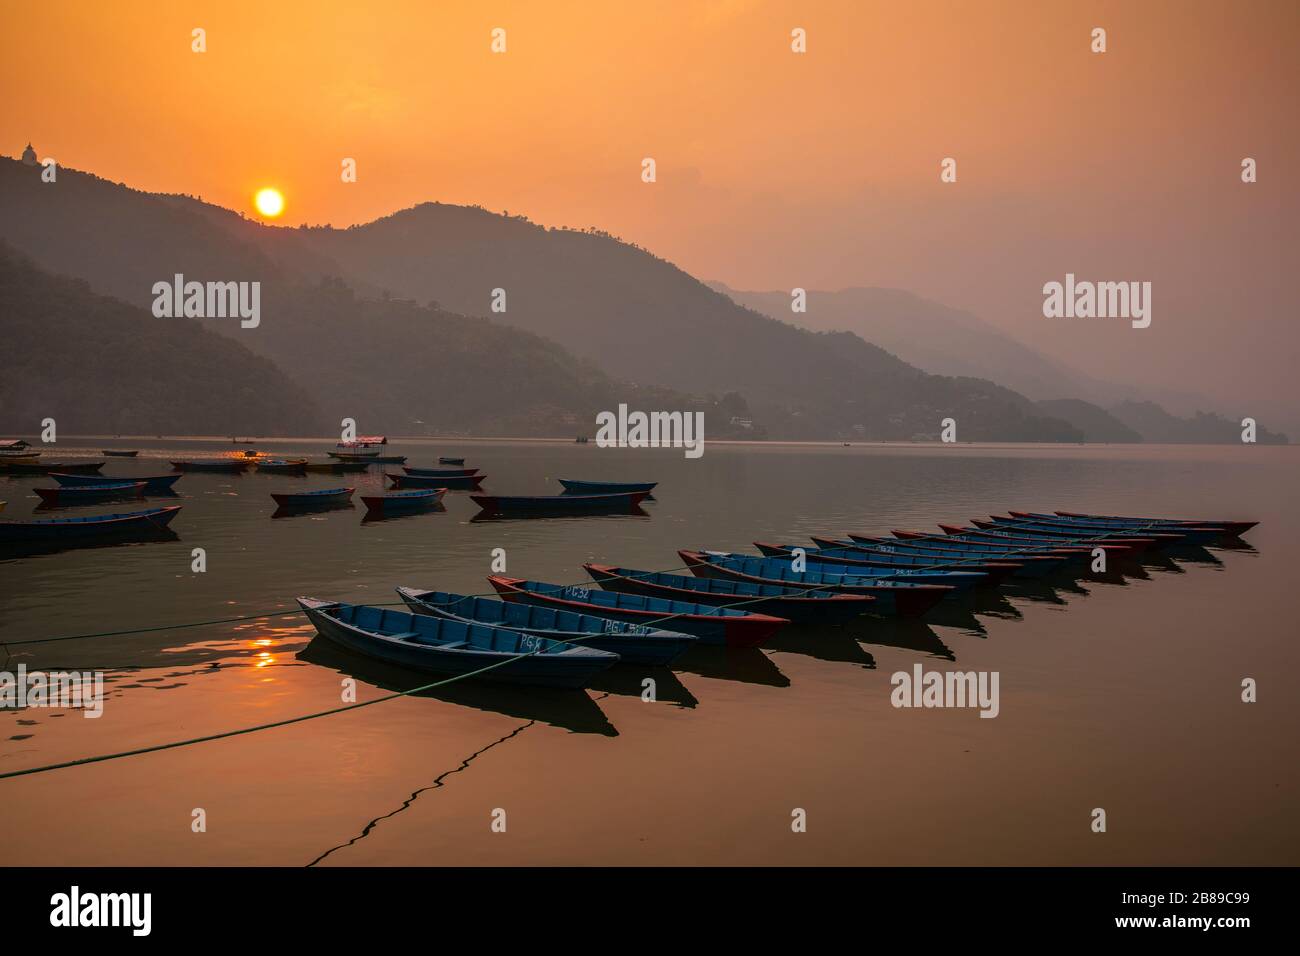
(29, 156)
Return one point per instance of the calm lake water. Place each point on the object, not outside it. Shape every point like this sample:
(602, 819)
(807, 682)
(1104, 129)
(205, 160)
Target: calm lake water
(1123, 693)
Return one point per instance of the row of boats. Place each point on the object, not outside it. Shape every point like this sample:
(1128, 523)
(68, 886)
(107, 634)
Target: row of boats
(565, 635)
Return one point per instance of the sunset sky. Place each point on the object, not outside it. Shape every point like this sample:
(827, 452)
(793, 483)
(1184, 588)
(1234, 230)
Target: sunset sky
(774, 169)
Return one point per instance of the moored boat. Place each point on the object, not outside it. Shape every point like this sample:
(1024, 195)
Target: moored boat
(446, 646)
(451, 461)
(574, 486)
(134, 522)
(86, 494)
(118, 454)
(895, 595)
(354, 454)
(560, 505)
(321, 498)
(1028, 564)
(458, 483)
(153, 484)
(1190, 534)
(402, 502)
(440, 472)
(1232, 528)
(712, 625)
(336, 467)
(816, 608)
(853, 558)
(633, 643)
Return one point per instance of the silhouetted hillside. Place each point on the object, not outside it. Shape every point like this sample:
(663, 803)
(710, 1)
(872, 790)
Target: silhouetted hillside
(637, 316)
(98, 365)
(1095, 422)
(1157, 425)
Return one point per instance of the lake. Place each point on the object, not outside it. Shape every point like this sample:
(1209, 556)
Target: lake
(1121, 692)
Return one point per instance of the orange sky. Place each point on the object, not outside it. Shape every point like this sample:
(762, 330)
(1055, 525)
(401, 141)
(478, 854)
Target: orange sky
(775, 170)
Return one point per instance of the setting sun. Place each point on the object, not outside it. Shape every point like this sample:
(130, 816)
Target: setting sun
(269, 202)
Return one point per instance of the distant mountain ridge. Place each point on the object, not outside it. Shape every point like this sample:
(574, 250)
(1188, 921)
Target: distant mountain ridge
(391, 299)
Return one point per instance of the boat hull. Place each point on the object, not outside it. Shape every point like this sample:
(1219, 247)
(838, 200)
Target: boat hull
(89, 494)
(402, 502)
(153, 484)
(559, 505)
(574, 486)
(467, 483)
(98, 526)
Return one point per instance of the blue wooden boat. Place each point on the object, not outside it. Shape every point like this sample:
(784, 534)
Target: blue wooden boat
(989, 533)
(712, 625)
(445, 646)
(322, 498)
(817, 608)
(451, 461)
(153, 484)
(633, 643)
(560, 505)
(573, 486)
(1027, 564)
(858, 562)
(222, 465)
(402, 502)
(957, 581)
(91, 526)
(118, 454)
(462, 483)
(1231, 528)
(896, 596)
(1140, 542)
(1191, 534)
(440, 472)
(87, 494)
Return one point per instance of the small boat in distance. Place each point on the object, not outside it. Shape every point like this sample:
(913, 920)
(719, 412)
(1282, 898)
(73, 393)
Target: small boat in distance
(223, 465)
(283, 466)
(92, 526)
(118, 454)
(574, 486)
(453, 482)
(336, 467)
(88, 494)
(451, 461)
(440, 472)
(445, 646)
(153, 484)
(358, 453)
(561, 505)
(323, 498)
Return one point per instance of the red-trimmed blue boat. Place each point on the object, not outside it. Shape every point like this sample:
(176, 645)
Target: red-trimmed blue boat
(48, 467)
(321, 498)
(402, 502)
(88, 494)
(440, 472)
(560, 505)
(1027, 564)
(633, 643)
(465, 483)
(222, 465)
(445, 646)
(1142, 542)
(91, 526)
(818, 608)
(1232, 528)
(712, 625)
(990, 533)
(895, 596)
(854, 558)
(576, 487)
(153, 484)
(1190, 534)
